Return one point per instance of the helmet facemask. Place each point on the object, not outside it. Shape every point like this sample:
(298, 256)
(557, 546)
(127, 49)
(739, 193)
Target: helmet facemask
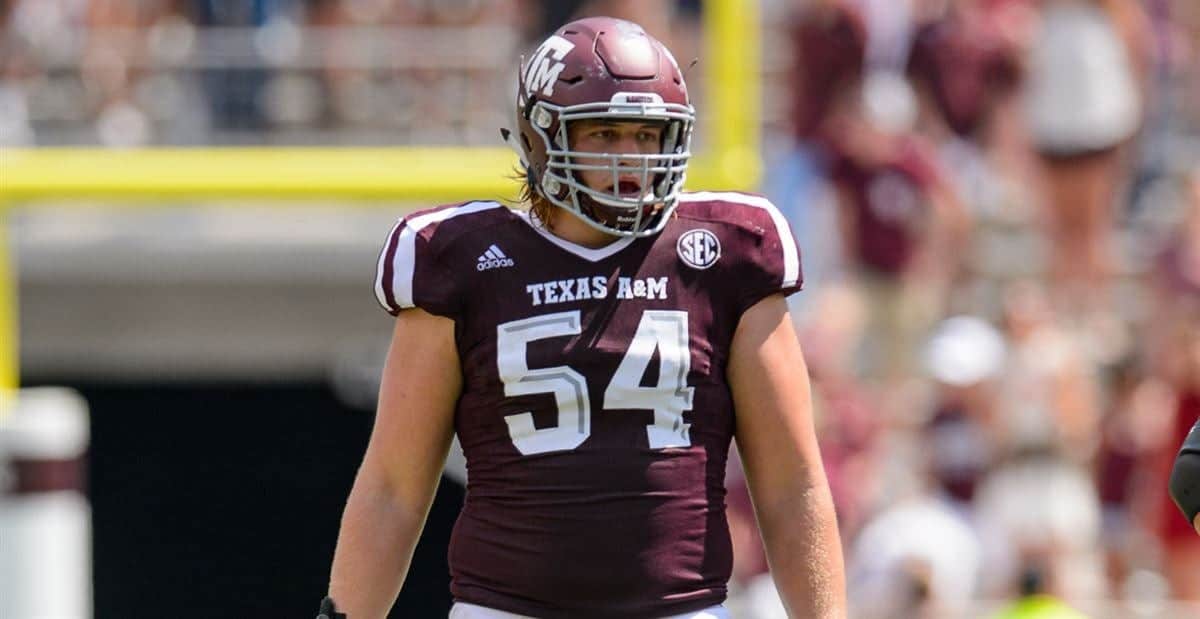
(660, 175)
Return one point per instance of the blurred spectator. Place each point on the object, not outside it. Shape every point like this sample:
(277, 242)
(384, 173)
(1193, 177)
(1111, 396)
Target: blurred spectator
(16, 69)
(653, 16)
(1085, 101)
(915, 558)
(964, 357)
(890, 24)
(1050, 380)
(114, 63)
(965, 66)
(1041, 511)
(1135, 425)
(550, 15)
(675, 22)
(900, 225)
(235, 94)
(1177, 269)
(923, 554)
(962, 65)
(903, 233)
(422, 69)
(1033, 603)
(829, 41)
(1178, 538)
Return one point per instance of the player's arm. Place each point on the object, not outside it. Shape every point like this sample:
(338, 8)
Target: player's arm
(778, 445)
(1185, 477)
(400, 471)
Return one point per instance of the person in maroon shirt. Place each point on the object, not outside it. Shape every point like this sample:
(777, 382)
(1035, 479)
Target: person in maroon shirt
(1175, 342)
(904, 234)
(829, 42)
(596, 355)
(1176, 535)
(963, 65)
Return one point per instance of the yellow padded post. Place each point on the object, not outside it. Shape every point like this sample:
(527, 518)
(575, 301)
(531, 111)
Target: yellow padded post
(9, 344)
(732, 93)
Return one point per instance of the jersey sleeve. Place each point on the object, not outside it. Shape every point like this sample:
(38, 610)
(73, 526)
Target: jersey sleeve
(411, 273)
(772, 264)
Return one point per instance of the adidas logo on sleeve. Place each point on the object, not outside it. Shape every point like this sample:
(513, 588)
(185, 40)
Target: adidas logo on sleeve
(493, 258)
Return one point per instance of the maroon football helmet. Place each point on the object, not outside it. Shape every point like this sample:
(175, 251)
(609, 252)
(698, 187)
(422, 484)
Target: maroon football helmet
(601, 67)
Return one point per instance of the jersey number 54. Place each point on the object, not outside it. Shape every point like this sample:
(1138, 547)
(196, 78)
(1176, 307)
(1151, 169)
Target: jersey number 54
(664, 330)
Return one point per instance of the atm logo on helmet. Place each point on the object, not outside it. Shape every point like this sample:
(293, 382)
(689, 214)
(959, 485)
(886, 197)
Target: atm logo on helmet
(544, 67)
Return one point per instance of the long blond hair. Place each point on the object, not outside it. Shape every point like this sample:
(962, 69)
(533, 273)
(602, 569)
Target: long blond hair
(532, 200)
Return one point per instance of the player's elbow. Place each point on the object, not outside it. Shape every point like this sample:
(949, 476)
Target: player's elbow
(1185, 484)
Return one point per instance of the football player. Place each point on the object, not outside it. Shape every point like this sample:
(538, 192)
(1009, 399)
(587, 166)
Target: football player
(595, 355)
(1185, 477)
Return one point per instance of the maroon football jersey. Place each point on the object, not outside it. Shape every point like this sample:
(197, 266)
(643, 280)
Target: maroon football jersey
(595, 415)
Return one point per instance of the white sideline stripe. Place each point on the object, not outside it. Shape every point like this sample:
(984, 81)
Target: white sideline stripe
(791, 257)
(406, 249)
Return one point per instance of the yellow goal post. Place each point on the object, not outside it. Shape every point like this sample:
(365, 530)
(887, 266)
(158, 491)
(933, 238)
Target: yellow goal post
(148, 177)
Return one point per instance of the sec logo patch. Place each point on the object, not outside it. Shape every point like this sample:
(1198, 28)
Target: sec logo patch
(698, 248)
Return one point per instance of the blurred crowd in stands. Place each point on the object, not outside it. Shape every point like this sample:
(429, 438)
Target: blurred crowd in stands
(158, 72)
(998, 203)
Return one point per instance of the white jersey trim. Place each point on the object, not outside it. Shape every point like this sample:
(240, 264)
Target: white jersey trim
(404, 260)
(791, 256)
(587, 253)
(380, 293)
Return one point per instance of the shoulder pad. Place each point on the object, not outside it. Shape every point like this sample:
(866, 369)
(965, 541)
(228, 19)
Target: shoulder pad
(408, 272)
